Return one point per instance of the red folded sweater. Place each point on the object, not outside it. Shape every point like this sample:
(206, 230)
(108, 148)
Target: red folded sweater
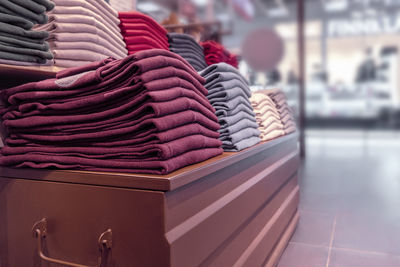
(141, 32)
(137, 17)
(216, 53)
(142, 39)
(135, 32)
(142, 26)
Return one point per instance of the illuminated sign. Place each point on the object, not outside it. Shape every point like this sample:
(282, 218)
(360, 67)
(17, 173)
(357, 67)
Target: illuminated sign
(364, 26)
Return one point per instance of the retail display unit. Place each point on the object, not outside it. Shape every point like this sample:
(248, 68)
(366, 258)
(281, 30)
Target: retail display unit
(237, 208)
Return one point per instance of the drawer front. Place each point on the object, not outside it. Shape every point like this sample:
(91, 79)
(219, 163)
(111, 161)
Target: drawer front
(76, 216)
(270, 234)
(245, 241)
(186, 201)
(200, 236)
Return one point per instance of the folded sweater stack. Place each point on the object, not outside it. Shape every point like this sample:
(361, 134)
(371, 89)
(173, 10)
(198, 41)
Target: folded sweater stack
(228, 93)
(19, 44)
(216, 53)
(83, 31)
(187, 47)
(141, 32)
(285, 112)
(267, 115)
(146, 113)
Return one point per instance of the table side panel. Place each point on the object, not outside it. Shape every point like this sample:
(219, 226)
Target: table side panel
(77, 215)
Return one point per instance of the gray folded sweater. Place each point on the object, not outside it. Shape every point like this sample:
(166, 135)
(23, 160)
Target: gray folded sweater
(195, 65)
(227, 85)
(222, 67)
(24, 63)
(189, 55)
(14, 42)
(30, 5)
(240, 107)
(230, 105)
(231, 120)
(243, 144)
(22, 57)
(192, 58)
(229, 93)
(26, 51)
(240, 125)
(49, 5)
(182, 37)
(219, 77)
(17, 31)
(226, 95)
(189, 50)
(197, 49)
(24, 39)
(16, 21)
(240, 135)
(8, 7)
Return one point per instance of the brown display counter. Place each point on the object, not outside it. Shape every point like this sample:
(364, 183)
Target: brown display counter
(16, 75)
(238, 209)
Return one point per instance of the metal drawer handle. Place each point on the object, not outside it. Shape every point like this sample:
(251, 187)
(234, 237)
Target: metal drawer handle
(105, 243)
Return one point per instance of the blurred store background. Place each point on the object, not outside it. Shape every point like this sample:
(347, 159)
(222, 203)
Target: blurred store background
(352, 64)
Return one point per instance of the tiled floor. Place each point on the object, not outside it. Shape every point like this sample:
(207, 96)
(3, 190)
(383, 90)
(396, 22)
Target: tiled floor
(350, 201)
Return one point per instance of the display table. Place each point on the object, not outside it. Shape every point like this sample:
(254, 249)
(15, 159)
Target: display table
(237, 209)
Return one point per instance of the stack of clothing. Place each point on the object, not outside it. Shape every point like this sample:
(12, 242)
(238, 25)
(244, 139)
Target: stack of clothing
(216, 53)
(19, 44)
(228, 93)
(141, 32)
(83, 31)
(146, 113)
(187, 47)
(267, 116)
(285, 112)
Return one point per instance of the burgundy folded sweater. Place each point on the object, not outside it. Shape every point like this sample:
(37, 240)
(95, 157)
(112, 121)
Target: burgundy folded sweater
(145, 113)
(132, 110)
(118, 73)
(139, 128)
(112, 98)
(68, 162)
(143, 152)
(128, 140)
(157, 85)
